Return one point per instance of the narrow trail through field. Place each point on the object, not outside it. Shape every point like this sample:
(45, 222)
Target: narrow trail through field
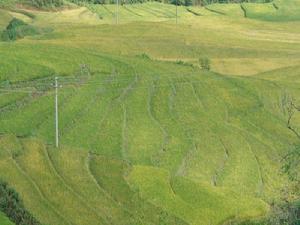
(259, 167)
(165, 139)
(42, 196)
(116, 101)
(200, 103)
(88, 104)
(267, 134)
(182, 168)
(220, 169)
(101, 189)
(264, 174)
(124, 135)
(15, 104)
(202, 106)
(117, 204)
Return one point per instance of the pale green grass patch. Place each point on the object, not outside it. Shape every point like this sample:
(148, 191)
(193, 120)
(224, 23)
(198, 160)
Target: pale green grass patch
(21, 17)
(250, 66)
(5, 18)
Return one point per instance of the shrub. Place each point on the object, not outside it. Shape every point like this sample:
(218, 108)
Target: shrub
(17, 29)
(177, 2)
(12, 205)
(204, 63)
(144, 56)
(188, 2)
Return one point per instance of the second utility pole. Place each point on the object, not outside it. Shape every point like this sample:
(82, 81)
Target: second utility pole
(56, 112)
(176, 10)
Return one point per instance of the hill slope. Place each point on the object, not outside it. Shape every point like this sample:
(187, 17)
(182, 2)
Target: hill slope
(146, 135)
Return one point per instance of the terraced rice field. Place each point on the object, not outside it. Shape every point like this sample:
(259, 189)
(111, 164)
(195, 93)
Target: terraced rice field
(144, 137)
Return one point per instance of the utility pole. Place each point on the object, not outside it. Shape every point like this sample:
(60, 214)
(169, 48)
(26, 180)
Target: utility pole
(176, 11)
(117, 12)
(56, 112)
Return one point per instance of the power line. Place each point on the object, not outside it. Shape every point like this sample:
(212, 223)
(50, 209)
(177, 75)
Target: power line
(176, 12)
(19, 91)
(79, 81)
(105, 88)
(117, 12)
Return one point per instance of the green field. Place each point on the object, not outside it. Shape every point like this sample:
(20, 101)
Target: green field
(146, 135)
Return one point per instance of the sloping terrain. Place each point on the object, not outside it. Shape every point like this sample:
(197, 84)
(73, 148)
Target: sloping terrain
(146, 135)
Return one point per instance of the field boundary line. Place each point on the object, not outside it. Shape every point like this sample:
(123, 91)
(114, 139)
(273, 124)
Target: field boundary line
(165, 134)
(33, 183)
(124, 136)
(67, 186)
(222, 166)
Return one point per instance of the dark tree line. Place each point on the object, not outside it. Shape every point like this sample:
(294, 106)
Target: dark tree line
(12, 206)
(46, 3)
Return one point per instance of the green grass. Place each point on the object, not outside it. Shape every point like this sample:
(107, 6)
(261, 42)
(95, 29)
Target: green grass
(149, 140)
(4, 220)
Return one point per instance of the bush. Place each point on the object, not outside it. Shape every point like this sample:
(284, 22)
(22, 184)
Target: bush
(177, 2)
(204, 63)
(17, 29)
(144, 56)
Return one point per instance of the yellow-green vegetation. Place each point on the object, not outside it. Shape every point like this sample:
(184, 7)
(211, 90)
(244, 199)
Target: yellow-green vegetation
(159, 123)
(5, 17)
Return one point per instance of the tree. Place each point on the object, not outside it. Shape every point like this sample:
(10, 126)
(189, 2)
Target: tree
(188, 2)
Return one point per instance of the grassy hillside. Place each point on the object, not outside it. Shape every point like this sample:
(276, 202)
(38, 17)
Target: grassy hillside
(279, 10)
(146, 135)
